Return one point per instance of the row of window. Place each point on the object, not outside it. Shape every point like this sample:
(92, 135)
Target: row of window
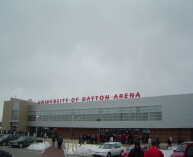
(118, 117)
(139, 113)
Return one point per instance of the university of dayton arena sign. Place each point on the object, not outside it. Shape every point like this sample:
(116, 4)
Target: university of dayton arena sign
(90, 98)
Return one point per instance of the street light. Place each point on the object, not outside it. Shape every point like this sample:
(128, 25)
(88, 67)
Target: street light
(36, 128)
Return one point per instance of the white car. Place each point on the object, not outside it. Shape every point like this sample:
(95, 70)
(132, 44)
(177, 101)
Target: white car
(109, 149)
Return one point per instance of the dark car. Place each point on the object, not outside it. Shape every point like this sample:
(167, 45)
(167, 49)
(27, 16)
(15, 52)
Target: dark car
(8, 137)
(5, 154)
(126, 152)
(179, 151)
(24, 141)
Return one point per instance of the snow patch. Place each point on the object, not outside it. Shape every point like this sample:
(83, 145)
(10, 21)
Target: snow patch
(39, 146)
(84, 150)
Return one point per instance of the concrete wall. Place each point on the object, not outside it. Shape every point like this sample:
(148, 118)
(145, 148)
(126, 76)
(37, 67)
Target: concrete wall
(176, 113)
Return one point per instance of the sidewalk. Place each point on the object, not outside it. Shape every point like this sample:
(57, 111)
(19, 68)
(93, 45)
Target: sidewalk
(53, 152)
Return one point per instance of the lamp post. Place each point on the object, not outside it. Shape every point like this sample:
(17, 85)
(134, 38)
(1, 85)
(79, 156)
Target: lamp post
(36, 128)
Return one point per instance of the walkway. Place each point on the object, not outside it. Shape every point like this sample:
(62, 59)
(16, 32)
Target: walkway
(53, 152)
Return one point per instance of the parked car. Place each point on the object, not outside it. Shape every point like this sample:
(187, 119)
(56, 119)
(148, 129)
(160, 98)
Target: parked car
(126, 152)
(189, 150)
(24, 141)
(5, 154)
(109, 149)
(179, 151)
(8, 137)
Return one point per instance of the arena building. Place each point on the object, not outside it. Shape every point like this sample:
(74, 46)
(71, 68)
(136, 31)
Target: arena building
(128, 113)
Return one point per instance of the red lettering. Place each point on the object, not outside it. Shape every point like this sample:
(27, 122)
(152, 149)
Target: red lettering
(107, 97)
(96, 97)
(102, 97)
(126, 95)
(73, 99)
(120, 96)
(88, 99)
(63, 100)
(115, 97)
(92, 97)
(132, 95)
(83, 99)
(137, 94)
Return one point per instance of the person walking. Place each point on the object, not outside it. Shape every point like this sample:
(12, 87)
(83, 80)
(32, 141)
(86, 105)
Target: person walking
(149, 142)
(60, 141)
(153, 151)
(81, 139)
(157, 142)
(53, 139)
(169, 141)
(137, 151)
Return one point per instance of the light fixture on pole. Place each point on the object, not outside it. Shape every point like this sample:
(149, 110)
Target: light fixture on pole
(36, 128)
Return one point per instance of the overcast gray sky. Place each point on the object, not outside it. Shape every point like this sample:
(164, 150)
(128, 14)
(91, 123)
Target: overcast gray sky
(64, 48)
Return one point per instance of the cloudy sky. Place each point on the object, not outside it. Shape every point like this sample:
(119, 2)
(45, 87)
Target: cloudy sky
(64, 48)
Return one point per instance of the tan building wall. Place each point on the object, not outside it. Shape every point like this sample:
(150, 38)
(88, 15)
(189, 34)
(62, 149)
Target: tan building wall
(22, 115)
(7, 115)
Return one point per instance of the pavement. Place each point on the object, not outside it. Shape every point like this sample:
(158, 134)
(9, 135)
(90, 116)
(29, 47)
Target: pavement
(53, 152)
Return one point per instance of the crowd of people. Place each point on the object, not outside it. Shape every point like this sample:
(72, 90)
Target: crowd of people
(57, 138)
(101, 138)
(123, 138)
(153, 151)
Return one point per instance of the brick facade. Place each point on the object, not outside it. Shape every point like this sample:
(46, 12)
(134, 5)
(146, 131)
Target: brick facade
(163, 134)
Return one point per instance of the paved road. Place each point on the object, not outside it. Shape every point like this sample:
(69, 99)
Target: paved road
(53, 152)
(21, 152)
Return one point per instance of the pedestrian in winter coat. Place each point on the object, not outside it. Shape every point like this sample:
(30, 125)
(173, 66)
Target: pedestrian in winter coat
(137, 151)
(81, 140)
(60, 141)
(149, 142)
(153, 151)
(53, 140)
(157, 142)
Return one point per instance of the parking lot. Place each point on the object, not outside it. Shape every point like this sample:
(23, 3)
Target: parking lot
(21, 152)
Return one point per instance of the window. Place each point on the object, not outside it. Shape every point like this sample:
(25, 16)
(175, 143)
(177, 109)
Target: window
(134, 113)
